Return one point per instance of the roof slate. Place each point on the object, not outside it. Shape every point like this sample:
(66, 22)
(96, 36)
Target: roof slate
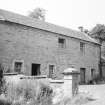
(28, 21)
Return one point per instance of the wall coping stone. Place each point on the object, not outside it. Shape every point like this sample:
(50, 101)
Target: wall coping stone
(9, 74)
(34, 77)
(57, 81)
(70, 71)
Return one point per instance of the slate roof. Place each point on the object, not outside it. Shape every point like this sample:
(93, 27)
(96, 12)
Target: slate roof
(28, 21)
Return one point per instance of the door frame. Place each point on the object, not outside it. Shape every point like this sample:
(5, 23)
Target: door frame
(82, 75)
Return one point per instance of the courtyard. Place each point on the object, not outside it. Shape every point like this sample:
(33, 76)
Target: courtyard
(97, 92)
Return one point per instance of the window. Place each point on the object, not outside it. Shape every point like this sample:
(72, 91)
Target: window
(82, 47)
(18, 65)
(51, 71)
(61, 42)
(35, 69)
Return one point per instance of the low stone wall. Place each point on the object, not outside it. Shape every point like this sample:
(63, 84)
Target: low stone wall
(56, 83)
(69, 84)
(12, 77)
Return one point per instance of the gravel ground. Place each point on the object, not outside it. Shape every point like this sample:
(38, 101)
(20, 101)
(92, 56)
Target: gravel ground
(97, 92)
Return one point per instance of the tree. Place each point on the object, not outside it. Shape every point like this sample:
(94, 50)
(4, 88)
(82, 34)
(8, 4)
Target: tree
(38, 13)
(98, 32)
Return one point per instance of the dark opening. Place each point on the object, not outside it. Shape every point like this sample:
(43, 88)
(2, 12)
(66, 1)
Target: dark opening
(92, 73)
(61, 42)
(82, 75)
(35, 69)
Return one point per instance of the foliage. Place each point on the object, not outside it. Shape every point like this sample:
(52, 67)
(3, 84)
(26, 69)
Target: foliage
(28, 92)
(1, 77)
(4, 101)
(99, 80)
(98, 32)
(38, 13)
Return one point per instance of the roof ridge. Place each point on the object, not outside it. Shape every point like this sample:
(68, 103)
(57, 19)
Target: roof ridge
(28, 21)
(91, 38)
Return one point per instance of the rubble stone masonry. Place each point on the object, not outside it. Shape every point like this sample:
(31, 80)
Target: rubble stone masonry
(32, 45)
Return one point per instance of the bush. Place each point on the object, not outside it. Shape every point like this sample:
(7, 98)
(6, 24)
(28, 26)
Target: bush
(29, 92)
(3, 100)
(1, 78)
(98, 80)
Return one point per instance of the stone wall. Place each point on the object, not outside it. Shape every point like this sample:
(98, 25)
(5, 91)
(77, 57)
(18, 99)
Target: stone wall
(18, 42)
(64, 88)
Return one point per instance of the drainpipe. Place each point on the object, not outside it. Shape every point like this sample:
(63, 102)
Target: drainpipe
(100, 63)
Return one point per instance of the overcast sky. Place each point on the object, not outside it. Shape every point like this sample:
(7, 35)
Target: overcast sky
(67, 13)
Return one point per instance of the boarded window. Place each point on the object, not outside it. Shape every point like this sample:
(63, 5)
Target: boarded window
(61, 42)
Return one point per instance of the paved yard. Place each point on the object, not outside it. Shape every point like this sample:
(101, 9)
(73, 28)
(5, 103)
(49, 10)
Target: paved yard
(96, 91)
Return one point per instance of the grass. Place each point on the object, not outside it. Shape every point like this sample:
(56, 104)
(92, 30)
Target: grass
(27, 93)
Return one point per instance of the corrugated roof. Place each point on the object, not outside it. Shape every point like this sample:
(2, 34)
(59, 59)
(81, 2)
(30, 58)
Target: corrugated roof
(28, 21)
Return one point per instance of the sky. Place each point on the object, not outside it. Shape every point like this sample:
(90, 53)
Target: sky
(66, 13)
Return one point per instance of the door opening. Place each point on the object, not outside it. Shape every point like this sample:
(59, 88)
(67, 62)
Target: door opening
(82, 75)
(35, 69)
(92, 73)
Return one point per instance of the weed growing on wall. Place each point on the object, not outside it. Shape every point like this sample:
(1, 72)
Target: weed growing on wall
(28, 92)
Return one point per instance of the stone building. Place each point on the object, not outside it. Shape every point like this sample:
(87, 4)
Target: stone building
(35, 47)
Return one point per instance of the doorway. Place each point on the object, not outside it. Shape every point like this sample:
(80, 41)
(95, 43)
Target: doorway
(92, 73)
(82, 75)
(35, 69)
